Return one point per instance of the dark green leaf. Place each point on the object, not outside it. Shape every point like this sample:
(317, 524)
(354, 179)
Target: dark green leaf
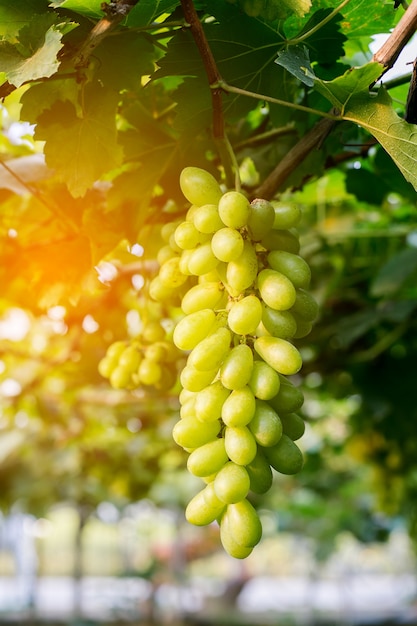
(74, 138)
(147, 11)
(297, 61)
(366, 186)
(326, 43)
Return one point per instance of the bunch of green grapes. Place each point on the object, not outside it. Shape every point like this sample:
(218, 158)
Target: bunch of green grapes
(150, 359)
(238, 415)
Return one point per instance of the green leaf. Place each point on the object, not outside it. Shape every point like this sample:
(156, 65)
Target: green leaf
(396, 136)
(82, 146)
(123, 60)
(394, 274)
(90, 8)
(15, 15)
(326, 43)
(343, 88)
(147, 11)
(363, 18)
(350, 329)
(366, 186)
(35, 56)
(296, 60)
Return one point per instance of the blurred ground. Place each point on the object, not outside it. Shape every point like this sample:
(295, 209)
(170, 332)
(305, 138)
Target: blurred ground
(366, 599)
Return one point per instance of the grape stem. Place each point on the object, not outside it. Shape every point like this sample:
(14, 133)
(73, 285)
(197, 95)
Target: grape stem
(406, 27)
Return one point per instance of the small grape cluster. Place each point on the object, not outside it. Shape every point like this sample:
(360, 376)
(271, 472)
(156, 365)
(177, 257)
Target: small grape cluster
(149, 359)
(238, 415)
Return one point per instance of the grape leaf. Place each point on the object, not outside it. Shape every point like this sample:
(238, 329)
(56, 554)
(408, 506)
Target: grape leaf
(74, 139)
(15, 15)
(395, 135)
(363, 18)
(296, 60)
(36, 55)
(343, 88)
(147, 11)
(326, 44)
(90, 8)
(123, 60)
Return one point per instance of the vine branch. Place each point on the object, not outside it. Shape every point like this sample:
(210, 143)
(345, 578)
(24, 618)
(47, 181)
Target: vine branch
(389, 52)
(115, 12)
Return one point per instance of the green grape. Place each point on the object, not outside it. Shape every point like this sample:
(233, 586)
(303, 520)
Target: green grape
(236, 369)
(105, 366)
(264, 381)
(156, 352)
(261, 218)
(288, 399)
(204, 508)
(153, 331)
(149, 372)
(189, 432)
(186, 395)
(265, 425)
(208, 458)
(187, 408)
(193, 328)
(209, 402)
(186, 236)
(303, 328)
(168, 230)
(211, 351)
(120, 377)
(206, 219)
(232, 547)
(115, 350)
(241, 273)
(199, 186)
(281, 240)
(293, 425)
(292, 266)
(196, 380)
(279, 323)
(260, 473)
(160, 292)
(130, 358)
(239, 407)
(244, 315)
(234, 209)
(207, 295)
(168, 377)
(305, 306)
(202, 260)
(184, 261)
(241, 520)
(285, 457)
(279, 354)
(165, 253)
(240, 444)
(287, 215)
(276, 290)
(231, 483)
(227, 244)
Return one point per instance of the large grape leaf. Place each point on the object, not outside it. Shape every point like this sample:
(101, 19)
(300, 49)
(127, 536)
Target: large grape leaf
(244, 49)
(81, 145)
(395, 273)
(360, 18)
(343, 88)
(36, 55)
(396, 136)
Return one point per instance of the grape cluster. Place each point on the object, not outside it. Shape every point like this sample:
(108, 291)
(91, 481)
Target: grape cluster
(249, 299)
(149, 359)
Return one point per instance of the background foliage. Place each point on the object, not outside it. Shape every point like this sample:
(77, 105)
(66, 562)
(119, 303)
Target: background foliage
(101, 111)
